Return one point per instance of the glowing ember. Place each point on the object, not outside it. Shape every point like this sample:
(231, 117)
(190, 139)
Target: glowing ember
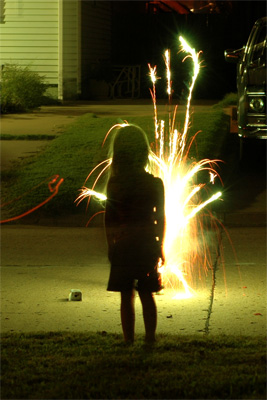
(54, 183)
(182, 195)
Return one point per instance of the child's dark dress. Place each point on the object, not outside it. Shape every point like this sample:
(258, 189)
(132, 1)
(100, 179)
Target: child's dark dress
(134, 223)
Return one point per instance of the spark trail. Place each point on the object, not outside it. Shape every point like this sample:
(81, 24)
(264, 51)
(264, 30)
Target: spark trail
(183, 197)
(54, 183)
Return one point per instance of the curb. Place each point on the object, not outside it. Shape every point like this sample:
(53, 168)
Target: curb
(228, 219)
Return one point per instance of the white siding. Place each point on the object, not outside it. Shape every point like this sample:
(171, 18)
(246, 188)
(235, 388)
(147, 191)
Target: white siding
(45, 35)
(69, 48)
(29, 36)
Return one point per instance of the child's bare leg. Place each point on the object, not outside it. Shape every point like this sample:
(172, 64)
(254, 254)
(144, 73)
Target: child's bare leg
(149, 314)
(128, 315)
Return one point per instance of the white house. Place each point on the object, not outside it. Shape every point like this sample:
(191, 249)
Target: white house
(59, 39)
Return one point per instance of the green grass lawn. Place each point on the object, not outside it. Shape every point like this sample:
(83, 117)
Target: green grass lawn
(101, 366)
(73, 154)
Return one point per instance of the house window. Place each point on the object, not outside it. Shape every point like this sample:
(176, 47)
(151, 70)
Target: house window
(2, 11)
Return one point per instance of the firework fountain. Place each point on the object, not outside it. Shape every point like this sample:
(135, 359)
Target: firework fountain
(187, 252)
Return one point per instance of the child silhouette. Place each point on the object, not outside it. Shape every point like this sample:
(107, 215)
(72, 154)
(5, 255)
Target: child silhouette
(134, 224)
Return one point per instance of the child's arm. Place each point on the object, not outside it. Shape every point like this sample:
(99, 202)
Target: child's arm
(109, 223)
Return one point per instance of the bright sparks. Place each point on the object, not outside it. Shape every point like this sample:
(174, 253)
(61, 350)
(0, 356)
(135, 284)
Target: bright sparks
(167, 59)
(185, 254)
(182, 194)
(85, 192)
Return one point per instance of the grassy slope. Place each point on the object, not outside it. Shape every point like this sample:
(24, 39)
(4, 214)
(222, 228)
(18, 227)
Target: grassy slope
(100, 366)
(76, 152)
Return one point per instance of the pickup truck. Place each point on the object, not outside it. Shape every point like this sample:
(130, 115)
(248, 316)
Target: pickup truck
(251, 83)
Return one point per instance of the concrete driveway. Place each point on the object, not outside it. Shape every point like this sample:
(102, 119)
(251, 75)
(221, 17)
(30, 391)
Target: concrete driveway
(40, 265)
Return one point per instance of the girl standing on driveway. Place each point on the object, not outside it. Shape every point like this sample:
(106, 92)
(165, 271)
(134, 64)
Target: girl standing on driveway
(134, 223)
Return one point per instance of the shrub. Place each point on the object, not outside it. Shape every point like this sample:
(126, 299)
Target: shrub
(21, 89)
(230, 99)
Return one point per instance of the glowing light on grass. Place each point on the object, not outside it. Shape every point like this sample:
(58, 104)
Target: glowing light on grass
(183, 196)
(53, 184)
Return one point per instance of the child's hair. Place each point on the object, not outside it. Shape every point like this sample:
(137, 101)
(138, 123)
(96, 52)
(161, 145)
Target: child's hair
(130, 150)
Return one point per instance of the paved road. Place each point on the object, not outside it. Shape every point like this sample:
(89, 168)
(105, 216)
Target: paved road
(40, 265)
(51, 120)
